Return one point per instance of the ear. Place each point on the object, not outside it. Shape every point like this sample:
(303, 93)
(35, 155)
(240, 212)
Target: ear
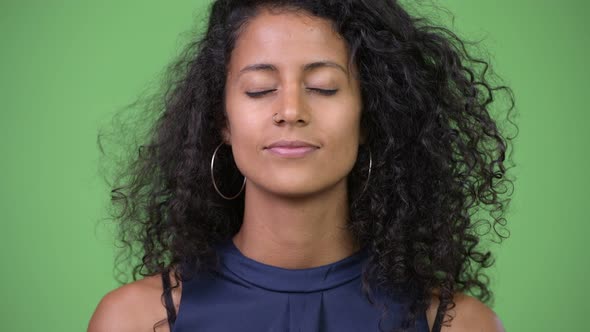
(226, 135)
(362, 136)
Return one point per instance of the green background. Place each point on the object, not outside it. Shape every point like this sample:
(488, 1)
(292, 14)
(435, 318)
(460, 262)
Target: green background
(67, 66)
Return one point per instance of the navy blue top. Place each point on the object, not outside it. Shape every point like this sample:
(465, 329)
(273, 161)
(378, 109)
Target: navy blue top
(246, 295)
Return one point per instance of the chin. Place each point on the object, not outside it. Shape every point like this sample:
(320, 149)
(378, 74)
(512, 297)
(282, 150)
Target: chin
(300, 188)
(296, 181)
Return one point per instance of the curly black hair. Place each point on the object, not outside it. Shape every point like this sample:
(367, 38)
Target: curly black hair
(439, 155)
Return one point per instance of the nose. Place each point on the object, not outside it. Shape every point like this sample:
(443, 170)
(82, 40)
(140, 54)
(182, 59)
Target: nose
(293, 108)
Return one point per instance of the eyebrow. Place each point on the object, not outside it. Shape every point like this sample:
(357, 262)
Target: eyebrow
(307, 67)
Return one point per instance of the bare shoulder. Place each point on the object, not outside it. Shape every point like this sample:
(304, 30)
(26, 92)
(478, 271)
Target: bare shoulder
(136, 306)
(469, 314)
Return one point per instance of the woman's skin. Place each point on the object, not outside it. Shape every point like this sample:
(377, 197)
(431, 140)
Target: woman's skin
(296, 202)
(295, 205)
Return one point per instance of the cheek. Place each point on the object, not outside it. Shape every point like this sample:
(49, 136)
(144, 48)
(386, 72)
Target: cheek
(244, 121)
(245, 140)
(344, 136)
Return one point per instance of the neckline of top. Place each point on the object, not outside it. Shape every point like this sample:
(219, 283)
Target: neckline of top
(306, 280)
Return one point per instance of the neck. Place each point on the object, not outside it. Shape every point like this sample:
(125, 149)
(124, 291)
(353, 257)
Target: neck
(295, 233)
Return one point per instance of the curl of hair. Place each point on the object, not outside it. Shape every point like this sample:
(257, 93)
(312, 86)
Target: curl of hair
(439, 157)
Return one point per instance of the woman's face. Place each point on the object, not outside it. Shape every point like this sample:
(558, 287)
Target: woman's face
(293, 107)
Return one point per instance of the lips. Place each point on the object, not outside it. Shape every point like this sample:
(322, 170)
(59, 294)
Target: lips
(291, 149)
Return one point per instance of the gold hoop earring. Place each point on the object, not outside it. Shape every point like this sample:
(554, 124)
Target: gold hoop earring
(213, 178)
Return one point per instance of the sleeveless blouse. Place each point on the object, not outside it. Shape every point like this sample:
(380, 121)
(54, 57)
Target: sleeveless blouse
(247, 295)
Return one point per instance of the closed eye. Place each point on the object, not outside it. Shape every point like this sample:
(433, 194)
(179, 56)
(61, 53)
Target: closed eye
(320, 91)
(259, 93)
(325, 92)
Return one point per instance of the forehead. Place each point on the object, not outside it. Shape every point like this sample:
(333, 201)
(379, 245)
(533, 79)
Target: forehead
(287, 38)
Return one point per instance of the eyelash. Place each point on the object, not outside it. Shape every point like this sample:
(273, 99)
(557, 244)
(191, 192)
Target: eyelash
(320, 91)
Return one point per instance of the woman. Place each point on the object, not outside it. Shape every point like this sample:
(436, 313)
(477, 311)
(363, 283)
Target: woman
(315, 168)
